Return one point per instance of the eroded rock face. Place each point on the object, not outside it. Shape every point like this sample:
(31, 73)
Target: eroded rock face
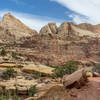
(13, 28)
(49, 29)
(54, 45)
(19, 84)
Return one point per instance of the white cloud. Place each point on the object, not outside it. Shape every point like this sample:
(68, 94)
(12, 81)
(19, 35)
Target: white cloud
(33, 21)
(84, 10)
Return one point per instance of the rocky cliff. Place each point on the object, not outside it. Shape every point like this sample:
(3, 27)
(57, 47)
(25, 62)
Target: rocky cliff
(53, 45)
(13, 29)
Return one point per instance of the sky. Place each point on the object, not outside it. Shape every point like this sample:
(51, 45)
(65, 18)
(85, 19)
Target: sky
(37, 13)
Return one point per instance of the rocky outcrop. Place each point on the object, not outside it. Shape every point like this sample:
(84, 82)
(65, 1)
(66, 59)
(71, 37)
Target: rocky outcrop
(65, 30)
(13, 28)
(50, 29)
(54, 45)
(77, 79)
(19, 84)
(44, 70)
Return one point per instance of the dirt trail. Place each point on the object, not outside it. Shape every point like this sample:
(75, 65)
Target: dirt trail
(89, 92)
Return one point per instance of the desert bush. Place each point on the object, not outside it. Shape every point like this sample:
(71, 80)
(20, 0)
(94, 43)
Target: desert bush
(36, 75)
(1, 92)
(20, 54)
(71, 67)
(68, 68)
(3, 52)
(96, 68)
(14, 55)
(32, 91)
(1, 98)
(15, 97)
(9, 73)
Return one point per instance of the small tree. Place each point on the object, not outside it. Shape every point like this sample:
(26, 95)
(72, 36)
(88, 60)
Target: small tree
(3, 52)
(32, 91)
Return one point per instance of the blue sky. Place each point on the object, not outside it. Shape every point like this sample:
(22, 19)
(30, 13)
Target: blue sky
(37, 13)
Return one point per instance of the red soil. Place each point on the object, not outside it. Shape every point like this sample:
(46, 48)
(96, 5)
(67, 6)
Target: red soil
(89, 92)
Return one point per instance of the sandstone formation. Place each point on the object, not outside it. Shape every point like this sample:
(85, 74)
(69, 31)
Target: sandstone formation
(44, 70)
(18, 84)
(77, 79)
(13, 28)
(53, 45)
(49, 29)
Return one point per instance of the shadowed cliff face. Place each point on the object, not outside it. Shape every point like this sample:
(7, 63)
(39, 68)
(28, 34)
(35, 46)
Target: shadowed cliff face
(53, 45)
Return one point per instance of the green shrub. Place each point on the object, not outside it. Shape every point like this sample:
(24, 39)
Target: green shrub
(15, 97)
(96, 68)
(36, 75)
(9, 73)
(20, 54)
(32, 91)
(3, 52)
(2, 98)
(68, 68)
(71, 67)
(1, 92)
(7, 95)
(14, 55)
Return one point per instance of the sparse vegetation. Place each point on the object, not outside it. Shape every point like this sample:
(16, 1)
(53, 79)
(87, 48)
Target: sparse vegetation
(32, 91)
(15, 97)
(36, 75)
(7, 95)
(68, 68)
(3, 52)
(9, 73)
(14, 55)
(20, 54)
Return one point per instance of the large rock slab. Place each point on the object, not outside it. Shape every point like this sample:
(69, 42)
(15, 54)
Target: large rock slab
(77, 79)
(43, 69)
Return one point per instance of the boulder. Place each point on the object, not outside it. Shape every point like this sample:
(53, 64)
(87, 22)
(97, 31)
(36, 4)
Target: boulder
(95, 74)
(76, 79)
